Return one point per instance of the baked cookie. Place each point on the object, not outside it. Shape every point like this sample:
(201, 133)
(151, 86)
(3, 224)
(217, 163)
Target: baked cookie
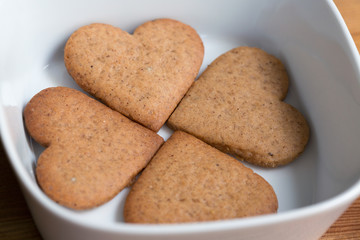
(190, 181)
(142, 75)
(236, 105)
(92, 152)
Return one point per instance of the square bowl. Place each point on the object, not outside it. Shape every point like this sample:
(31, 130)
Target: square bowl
(309, 37)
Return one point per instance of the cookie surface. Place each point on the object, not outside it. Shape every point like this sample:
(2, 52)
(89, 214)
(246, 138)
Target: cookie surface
(92, 152)
(190, 181)
(236, 105)
(142, 75)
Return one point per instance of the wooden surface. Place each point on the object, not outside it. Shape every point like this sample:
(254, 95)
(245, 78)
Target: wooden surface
(16, 222)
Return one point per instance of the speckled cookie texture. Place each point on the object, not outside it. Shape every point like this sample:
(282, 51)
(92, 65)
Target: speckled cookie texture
(92, 152)
(236, 105)
(143, 75)
(190, 181)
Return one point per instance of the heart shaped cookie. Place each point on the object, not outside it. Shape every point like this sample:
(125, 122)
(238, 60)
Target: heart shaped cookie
(236, 105)
(142, 75)
(92, 152)
(190, 181)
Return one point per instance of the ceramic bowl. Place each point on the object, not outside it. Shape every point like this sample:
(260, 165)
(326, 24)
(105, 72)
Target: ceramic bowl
(310, 38)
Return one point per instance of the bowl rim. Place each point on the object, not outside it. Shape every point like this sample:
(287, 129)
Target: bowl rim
(341, 200)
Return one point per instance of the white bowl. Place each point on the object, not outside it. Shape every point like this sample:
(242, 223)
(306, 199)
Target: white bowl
(309, 36)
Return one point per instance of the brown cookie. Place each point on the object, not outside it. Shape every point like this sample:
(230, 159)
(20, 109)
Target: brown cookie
(92, 152)
(143, 75)
(189, 181)
(236, 105)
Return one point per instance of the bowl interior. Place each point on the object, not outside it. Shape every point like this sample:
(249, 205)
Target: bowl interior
(323, 78)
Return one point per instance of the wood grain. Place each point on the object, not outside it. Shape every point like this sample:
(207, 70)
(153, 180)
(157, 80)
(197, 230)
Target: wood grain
(16, 222)
(347, 227)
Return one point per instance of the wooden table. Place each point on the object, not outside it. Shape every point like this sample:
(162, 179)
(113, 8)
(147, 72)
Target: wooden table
(16, 222)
